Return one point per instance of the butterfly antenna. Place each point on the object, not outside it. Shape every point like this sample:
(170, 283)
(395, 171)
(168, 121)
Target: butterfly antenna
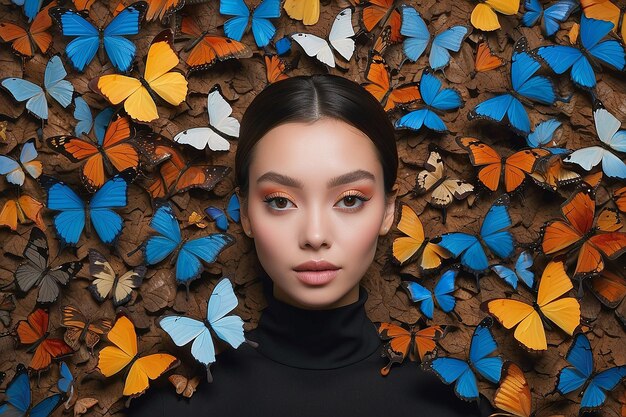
(443, 215)
(137, 249)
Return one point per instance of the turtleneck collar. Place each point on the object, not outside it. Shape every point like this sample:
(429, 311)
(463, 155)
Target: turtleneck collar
(316, 339)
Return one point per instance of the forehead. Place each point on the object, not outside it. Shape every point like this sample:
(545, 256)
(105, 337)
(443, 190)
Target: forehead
(326, 147)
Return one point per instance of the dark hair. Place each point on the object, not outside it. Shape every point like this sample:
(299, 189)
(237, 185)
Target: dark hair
(310, 98)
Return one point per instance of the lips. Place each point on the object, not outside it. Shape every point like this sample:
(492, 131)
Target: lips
(316, 272)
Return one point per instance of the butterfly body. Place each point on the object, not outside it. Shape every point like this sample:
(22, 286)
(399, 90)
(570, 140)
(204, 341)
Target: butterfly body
(442, 294)
(262, 28)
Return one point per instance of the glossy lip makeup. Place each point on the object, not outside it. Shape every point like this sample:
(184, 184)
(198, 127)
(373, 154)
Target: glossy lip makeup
(316, 272)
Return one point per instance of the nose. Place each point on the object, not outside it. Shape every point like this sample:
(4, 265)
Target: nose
(315, 230)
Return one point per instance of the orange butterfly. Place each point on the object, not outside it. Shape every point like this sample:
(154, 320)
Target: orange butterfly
(405, 247)
(175, 173)
(34, 331)
(123, 353)
(21, 210)
(207, 49)
(550, 173)
(485, 59)
(512, 169)
(25, 42)
(610, 288)
(79, 329)
(157, 9)
(406, 343)
(578, 233)
(513, 395)
(276, 67)
(378, 75)
(111, 154)
(383, 13)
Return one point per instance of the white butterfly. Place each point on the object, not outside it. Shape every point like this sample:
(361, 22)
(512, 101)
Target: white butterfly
(339, 39)
(608, 128)
(221, 124)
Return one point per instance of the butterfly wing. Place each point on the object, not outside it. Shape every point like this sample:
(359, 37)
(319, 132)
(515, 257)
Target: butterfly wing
(444, 289)
(162, 9)
(468, 247)
(147, 368)
(512, 313)
(36, 254)
(481, 347)
(120, 50)
(340, 33)
(66, 379)
(522, 269)
(580, 357)
(308, 11)
(183, 330)
(513, 395)
(171, 86)
(595, 393)
(83, 48)
(493, 230)
(70, 221)
(556, 14)
(485, 60)
(55, 83)
(17, 394)
(416, 32)
(448, 40)
(126, 283)
(315, 46)
(113, 194)
(113, 359)
(233, 208)
(222, 301)
(159, 247)
(32, 94)
(451, 370)
(83, 116)
(262, 29)
(564, 312)
(420, 294)
(236, 26)
(188, 265)
(405, 247)
(49, 287)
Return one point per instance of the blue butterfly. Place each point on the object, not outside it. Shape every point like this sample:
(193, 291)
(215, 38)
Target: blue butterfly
(66, 382)
(189, 253)
(541, 137)
(521, 273)
(464, 373)
(283, 46)
(562, 58)
(493, 234)
(435, 99)
(81, 50)
(219, 217)
(75, 213)
(262, 29)
(536, 88)
(31, 7)
(16, 170)
(18, 398)
(183, 330)
(551, 17)
(572, 378)
(54, 84)
(417, 38)
(82, 114)
(442, 294)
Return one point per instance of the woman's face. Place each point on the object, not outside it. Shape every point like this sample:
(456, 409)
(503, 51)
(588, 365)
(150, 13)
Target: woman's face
(315, 208)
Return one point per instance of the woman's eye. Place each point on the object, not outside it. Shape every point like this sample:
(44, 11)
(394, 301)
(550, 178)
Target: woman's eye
(279, 203)
(351, 201)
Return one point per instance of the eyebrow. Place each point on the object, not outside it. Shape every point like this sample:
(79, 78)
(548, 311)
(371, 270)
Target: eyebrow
(347, 178)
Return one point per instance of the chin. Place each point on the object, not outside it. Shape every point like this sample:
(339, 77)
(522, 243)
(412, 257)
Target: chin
(317, 298)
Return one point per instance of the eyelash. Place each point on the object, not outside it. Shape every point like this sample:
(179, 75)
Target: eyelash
(272, 198)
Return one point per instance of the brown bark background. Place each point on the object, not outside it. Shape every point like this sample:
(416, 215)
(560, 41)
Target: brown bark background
(240, 82)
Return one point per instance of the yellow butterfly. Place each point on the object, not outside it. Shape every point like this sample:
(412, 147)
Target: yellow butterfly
(306, 10)
(564, 312)
(158, 79)
(113, 359)
(484, 15)
(415, 242)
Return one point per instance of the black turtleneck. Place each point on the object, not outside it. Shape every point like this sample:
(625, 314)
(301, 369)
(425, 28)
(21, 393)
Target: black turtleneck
(310, 363)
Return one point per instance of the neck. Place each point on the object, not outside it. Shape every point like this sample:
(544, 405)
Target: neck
(327, 338)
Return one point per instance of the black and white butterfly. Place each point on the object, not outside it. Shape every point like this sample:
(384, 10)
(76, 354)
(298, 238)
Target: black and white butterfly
(37, 271)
